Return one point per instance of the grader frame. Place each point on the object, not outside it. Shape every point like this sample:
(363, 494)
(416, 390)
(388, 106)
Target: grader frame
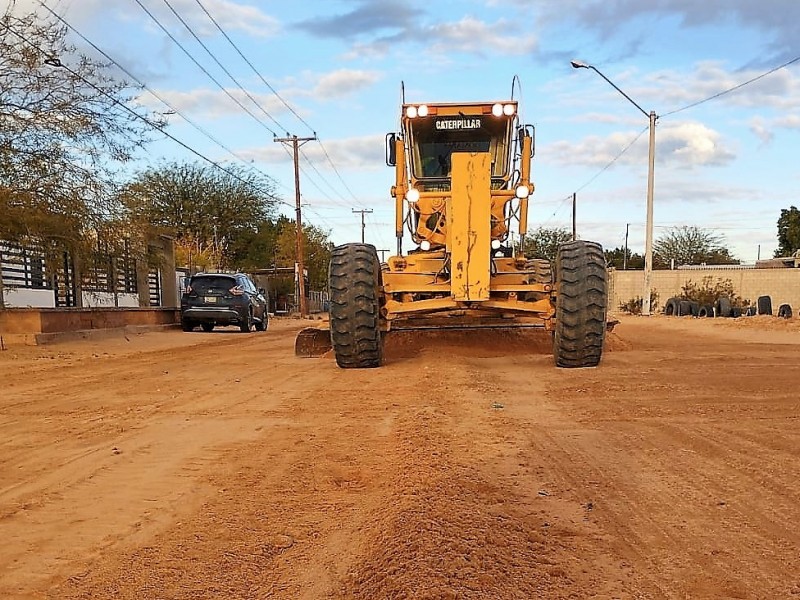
(462, 181)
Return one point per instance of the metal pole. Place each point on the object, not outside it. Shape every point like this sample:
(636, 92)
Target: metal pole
(301, 282)
(363, 211)
(296, 142)
(648, 240)
(574, 228)
(625, 255)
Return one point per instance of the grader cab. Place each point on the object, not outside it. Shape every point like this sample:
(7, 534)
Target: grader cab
(462, 185)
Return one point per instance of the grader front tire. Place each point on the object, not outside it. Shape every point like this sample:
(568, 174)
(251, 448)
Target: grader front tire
(580, 305)
(355, 306)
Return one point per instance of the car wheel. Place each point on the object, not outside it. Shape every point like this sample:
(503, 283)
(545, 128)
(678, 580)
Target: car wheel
(207, 327)
(187, 325)
(247, 324)
(785, 311)
(261, 324)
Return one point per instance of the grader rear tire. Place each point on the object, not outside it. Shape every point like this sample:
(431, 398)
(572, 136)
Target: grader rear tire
(580, 305)
(355, 306)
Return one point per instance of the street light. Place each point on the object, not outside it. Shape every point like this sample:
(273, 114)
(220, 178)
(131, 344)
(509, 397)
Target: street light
(648, 237)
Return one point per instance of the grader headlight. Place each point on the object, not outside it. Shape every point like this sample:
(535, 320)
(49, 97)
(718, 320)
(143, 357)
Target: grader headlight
(425, 245)
(422, 110)
(522, 191)
(498, 110)
(411, 112)
(412, 196)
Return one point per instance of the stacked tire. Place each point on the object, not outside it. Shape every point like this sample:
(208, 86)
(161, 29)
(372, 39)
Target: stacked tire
(681, 308)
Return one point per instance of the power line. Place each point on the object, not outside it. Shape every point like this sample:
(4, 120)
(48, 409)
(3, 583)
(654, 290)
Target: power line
(203, 69)
(57, 63)
(733, 89)
(274, 91)
(613, 160)
(339, 175)
(155, 94)
(322, 177)
(250, 64)
(221, 66)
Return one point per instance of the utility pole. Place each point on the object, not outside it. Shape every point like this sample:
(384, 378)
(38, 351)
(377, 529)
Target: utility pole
(363, 211)
(625, 256)
(574, 227)
(296, 142)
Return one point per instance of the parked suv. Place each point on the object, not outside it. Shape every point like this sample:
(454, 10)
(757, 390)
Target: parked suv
(222, 299)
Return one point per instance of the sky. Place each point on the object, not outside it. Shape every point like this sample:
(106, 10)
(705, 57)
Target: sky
(334, 68)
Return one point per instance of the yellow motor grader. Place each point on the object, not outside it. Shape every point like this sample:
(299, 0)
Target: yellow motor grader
(462, 181)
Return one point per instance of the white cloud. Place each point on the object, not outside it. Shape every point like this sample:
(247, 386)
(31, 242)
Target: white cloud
(684, 145)
(779, 90)
(761, 129)
(214, 104)
(478, 37)
(776, 20)
(358, 153)
(231, 15)
(788, 122)
(344, 82)
(692, 145)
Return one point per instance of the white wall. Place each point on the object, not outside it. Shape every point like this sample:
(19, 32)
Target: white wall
(25, 297)
(106, 300)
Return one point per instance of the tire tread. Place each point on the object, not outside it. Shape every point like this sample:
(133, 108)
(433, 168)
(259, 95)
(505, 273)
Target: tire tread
(581, 305)
(354, 279)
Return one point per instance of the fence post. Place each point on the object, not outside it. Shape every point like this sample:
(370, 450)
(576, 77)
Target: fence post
(2, 294)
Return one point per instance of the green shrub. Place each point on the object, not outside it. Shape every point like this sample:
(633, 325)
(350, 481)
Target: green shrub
(709, 290)
(634, 305)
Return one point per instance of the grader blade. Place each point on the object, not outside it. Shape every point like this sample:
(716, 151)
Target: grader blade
(311, 342)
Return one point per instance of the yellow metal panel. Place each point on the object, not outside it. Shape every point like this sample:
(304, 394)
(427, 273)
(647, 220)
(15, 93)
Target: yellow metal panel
(469, 217)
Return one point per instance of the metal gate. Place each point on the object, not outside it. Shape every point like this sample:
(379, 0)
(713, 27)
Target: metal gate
(154, 287)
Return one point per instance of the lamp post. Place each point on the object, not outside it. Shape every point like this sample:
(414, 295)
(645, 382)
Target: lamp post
(648, 237)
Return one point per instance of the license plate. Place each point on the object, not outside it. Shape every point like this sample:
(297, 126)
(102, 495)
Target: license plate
(211, 299)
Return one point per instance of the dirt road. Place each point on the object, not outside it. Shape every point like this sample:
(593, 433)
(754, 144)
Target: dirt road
(172, 465)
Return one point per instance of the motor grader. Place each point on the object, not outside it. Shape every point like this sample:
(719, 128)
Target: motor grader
(462, 183)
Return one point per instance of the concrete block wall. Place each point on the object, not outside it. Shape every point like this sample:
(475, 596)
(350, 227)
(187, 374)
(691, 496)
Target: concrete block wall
(782, 285)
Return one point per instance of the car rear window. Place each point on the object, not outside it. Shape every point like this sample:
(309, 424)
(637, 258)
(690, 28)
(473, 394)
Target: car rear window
(215, 285)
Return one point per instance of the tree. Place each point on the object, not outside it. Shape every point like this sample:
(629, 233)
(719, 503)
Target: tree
(690, 245)
(543, 242)
(64, 129)
(615, 258)
(207, 209)
(788, 232)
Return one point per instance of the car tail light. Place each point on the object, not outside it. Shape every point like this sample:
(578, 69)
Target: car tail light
(237, 290)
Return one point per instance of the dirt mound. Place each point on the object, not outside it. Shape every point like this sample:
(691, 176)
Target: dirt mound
(479, 343)
(469, 342)
(456, 536)
(762, 322)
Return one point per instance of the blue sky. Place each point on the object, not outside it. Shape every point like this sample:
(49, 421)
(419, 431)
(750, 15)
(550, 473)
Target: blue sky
(728, 165)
